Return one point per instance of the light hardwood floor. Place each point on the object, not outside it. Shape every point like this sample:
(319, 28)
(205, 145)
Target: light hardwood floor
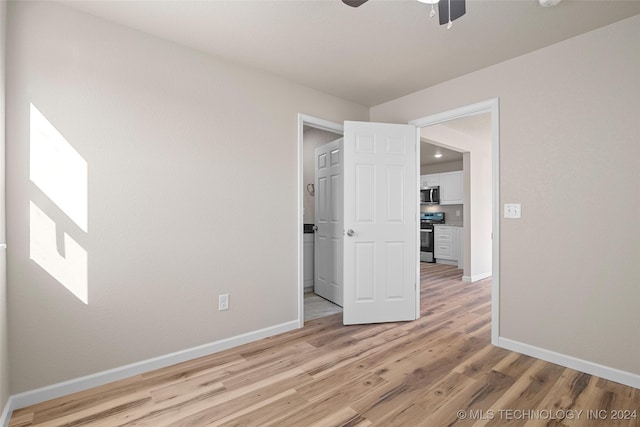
(419, 373)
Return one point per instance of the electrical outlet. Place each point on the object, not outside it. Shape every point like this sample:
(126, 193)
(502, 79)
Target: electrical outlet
(223, 302)
(512, 210)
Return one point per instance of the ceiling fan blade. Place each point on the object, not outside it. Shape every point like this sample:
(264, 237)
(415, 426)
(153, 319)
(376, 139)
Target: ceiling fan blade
(458, 9)
(354, 3)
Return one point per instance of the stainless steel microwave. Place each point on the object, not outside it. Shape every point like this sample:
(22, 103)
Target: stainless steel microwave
(430, 196)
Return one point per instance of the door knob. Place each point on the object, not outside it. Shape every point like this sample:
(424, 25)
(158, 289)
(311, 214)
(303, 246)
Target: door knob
(350, 232)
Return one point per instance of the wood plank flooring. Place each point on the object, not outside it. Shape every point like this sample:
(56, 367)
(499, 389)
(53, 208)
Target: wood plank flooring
(440, 370)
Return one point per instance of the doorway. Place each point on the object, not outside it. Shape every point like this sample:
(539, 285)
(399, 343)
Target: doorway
(471, 136)
(485, 233)
(313, 132)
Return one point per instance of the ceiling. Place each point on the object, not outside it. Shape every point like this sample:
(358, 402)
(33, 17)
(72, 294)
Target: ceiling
(372, 54)
(476, 127)
(428, 151)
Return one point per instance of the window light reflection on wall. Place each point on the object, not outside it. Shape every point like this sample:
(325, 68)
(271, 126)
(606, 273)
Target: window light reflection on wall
(61, 173)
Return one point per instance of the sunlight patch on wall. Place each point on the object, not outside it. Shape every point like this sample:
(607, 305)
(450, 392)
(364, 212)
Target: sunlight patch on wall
(61, 173)
(58, 169)
(70, 269)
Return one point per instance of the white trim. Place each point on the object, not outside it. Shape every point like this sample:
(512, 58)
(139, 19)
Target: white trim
(477, 277)
(606, 372)
(489, 106)
(7, 412)
(467, 110)
(418, 224)
(53, 391)
(495, 228)
(322, 124)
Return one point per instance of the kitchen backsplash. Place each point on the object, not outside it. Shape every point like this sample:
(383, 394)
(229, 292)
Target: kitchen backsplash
(450, 212)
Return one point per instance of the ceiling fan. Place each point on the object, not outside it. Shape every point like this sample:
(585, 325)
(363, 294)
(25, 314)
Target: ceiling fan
(448, 10)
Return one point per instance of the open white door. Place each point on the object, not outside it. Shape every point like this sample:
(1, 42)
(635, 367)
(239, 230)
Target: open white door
(328, 237)
(380, 222)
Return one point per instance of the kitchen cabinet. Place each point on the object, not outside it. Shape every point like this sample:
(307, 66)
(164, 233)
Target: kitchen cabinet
(431, 180)
(445, 244)
(451, 186)
(307, 255)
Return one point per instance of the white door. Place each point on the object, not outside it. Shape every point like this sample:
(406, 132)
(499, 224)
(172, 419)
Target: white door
(328, 214)
(381, 206)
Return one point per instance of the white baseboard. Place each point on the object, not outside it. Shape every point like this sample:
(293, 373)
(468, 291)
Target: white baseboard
(53, 391)
(606, 372)
(6, 413)
(471, 279)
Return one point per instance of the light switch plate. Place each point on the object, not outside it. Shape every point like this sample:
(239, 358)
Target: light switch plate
(512, 210)
(223, 302)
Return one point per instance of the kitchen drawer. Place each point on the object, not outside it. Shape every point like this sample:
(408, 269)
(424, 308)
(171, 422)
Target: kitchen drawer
(444, 237)
(444, 250)
(444, 234)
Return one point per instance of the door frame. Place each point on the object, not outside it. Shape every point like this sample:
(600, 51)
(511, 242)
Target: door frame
(489, 106)
(322, 124)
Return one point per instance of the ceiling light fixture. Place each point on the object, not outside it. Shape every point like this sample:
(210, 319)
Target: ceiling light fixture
(437, 155)
(432, 3)
(448, 10)
(548, 3)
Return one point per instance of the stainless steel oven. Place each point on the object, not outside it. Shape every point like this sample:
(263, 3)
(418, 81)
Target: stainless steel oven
(427, 219)
(426, 242)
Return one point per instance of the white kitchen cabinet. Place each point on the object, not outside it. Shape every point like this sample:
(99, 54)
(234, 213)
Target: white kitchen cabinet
(445, 244)
(431, 180)
(450, 183)
(307, 255)
(423, 181)
(451, 188)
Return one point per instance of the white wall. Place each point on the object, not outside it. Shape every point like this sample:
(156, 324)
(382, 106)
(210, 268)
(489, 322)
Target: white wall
(184, 204)
(569, 129)
(4, 346)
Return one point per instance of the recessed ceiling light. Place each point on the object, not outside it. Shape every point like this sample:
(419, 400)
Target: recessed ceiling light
(437, 155)
(548, 3)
